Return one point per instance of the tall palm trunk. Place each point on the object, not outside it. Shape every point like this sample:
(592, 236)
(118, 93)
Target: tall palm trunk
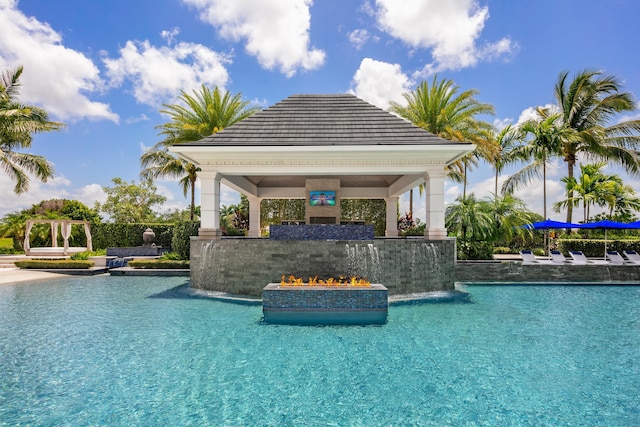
(570, 163)
(544, 189)
(464, 181)
(193, 199)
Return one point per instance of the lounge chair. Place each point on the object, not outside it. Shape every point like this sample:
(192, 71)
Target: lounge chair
(632, 256)
(580, 258)
(529, 258)
(615, 258)
(558, 257)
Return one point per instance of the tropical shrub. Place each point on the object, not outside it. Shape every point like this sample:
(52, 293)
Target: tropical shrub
(468, 250)
(181, 241)
(173, 256)
(54, 264)
(500, 250)
(159, 264)
(595, 248)
(80, 256)
(417, 230)
(120, 235)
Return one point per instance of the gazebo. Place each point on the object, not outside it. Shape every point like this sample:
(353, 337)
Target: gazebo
(65, 230)
(308, 143)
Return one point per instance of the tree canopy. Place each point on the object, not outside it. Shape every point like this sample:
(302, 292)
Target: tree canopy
(18, 123)
(196, 116)
(128, 202)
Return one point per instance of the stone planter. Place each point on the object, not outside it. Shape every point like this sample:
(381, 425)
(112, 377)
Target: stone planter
(325, 305)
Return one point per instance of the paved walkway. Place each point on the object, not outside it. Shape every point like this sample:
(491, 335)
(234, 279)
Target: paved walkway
(15, 275)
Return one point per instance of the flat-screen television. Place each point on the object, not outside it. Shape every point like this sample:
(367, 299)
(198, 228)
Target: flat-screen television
(322, 198)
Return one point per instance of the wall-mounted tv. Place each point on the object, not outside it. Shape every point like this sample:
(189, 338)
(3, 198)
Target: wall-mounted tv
(322, 198)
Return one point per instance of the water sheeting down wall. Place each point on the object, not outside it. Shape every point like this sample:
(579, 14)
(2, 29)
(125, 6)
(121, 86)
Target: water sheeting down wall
(245, 266)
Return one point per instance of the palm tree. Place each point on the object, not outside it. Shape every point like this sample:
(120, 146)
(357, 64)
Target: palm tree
(505, 142)
(588, 103)
(18, 123)
(197, 116)
(440, 109)
(546, 136)
(620, 200)
(469, 217)
(594, 187)
(510, 214)
(590, 188)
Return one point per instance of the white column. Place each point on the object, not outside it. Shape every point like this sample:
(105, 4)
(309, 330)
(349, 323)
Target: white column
(209, 205)
(254, 216)
(434, 186)
(391, 229)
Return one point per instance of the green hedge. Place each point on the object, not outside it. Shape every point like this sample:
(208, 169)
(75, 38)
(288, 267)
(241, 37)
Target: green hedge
(595, 248)
(54, 263)
(158, 264)
(110, 235)
(468, 250)
(182, 232)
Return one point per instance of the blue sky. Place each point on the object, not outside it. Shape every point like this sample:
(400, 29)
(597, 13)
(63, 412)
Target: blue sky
(105, 68)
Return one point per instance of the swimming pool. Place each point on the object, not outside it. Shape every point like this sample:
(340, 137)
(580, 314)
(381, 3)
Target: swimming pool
(138, 351)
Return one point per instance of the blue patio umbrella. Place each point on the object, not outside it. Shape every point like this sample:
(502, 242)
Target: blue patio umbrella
(548, 224)
(607, 224)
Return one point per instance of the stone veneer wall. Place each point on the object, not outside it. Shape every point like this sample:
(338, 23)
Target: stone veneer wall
(516, 272)
(321, 232)
(245, 266)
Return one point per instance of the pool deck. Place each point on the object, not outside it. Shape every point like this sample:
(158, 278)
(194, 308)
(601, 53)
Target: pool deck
(17, 275)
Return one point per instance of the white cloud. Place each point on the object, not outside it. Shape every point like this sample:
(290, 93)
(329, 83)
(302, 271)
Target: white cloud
(379, 82)
(502, 123)
(136, 119)
(56, 77)
(159, 73)
(276, 32)
(530, 113)
(90, 194)
(359, 38)
(449, 29)
(55, 188)
(170, 35)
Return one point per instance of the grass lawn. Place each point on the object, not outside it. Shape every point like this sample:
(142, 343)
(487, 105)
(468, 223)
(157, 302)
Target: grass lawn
(6, 242)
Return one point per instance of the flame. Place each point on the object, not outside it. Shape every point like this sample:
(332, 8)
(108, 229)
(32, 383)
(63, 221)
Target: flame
(314, 281)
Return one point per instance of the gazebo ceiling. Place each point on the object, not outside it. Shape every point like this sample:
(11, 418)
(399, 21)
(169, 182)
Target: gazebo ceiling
(333, 136)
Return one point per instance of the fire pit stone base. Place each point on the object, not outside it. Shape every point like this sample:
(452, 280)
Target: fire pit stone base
(325, 305)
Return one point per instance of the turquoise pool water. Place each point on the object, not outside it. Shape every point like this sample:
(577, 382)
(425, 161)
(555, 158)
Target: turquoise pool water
(122, 351)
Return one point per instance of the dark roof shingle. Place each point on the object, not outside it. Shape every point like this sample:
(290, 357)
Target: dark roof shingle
(316, 120)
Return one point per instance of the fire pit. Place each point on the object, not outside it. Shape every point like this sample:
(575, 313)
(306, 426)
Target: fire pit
(350, 301)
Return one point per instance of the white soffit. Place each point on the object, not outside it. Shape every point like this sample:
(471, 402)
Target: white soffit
(325, 160)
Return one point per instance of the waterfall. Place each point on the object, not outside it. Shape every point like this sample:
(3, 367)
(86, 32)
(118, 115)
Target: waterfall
(364, 260)
(210, 263)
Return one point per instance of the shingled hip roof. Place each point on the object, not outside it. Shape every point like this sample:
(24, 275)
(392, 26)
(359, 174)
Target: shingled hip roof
(322, 120)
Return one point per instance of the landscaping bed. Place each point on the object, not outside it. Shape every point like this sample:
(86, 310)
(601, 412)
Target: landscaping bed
(163, 264)
(54, 264)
